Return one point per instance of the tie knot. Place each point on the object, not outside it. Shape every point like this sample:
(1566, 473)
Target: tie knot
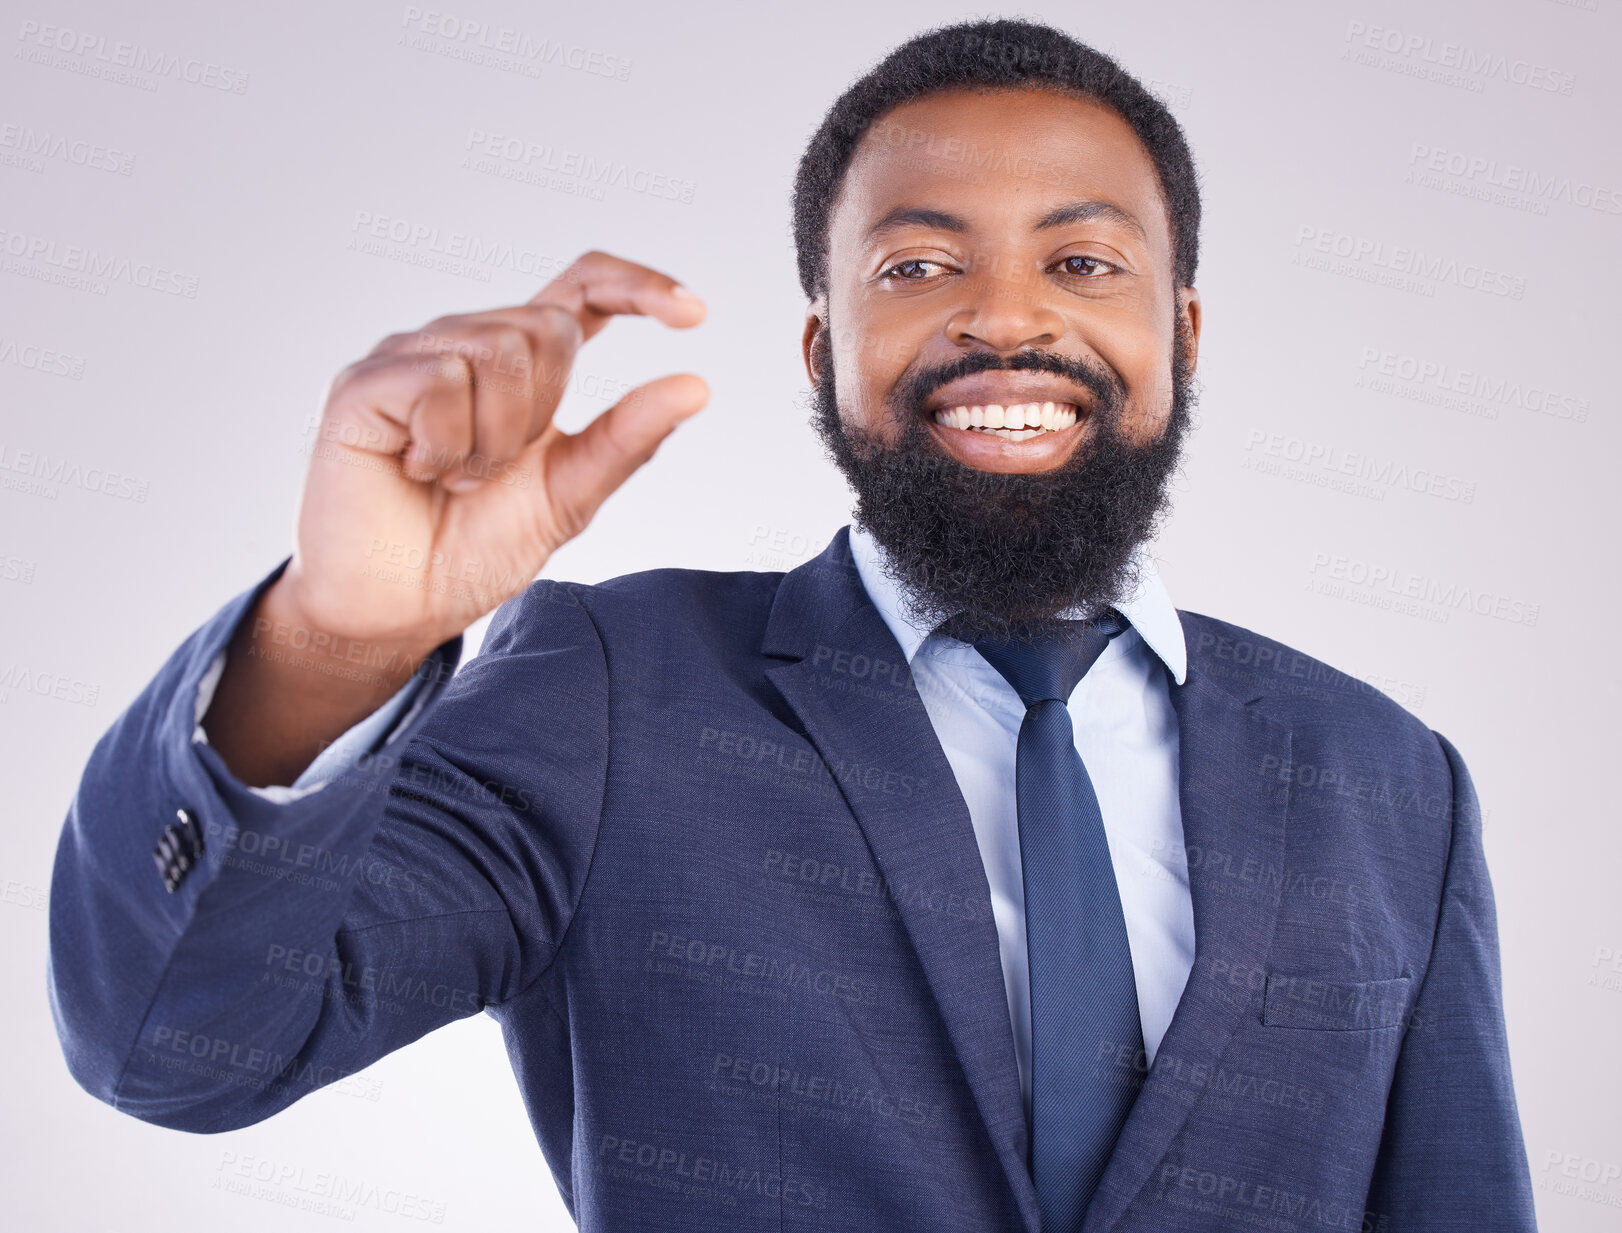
(1049, 663)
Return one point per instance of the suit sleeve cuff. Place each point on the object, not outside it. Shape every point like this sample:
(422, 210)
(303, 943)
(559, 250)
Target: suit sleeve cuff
(376, 731)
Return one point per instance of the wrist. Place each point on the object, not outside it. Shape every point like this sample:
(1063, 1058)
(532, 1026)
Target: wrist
(285, 628)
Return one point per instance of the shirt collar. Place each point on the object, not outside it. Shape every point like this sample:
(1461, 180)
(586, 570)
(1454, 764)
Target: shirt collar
(1149, 609)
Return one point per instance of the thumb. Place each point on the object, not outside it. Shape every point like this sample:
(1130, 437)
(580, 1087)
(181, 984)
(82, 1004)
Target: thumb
(586, 466)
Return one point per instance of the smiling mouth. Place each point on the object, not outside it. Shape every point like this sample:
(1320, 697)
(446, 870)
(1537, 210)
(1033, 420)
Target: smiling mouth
(1019, 422)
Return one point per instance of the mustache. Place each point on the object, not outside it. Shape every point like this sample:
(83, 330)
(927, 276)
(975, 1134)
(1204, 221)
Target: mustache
(1103, 382)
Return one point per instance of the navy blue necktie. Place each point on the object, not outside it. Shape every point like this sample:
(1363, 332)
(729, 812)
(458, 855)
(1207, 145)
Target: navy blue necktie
(1084, 1000)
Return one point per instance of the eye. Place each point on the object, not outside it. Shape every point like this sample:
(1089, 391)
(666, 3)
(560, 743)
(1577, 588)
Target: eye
(1085, 267)
(910, 264)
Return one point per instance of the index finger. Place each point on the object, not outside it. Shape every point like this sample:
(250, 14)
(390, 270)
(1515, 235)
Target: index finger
(598, 286)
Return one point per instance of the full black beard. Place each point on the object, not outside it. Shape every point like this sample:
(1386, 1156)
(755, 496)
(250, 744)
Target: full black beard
(1003, 554)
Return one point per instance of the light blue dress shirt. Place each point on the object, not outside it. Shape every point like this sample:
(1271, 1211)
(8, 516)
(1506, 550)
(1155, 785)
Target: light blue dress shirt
(1126, 732)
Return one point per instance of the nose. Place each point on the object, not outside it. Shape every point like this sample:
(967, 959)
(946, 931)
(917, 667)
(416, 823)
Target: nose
(1004, 312)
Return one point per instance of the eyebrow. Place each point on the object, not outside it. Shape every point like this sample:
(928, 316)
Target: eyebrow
(1091, 211)
(942, 220)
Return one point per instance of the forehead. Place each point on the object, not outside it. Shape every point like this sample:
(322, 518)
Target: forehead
(995, 157)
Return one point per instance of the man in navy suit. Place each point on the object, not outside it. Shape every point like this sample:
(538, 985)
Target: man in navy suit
(951, 880)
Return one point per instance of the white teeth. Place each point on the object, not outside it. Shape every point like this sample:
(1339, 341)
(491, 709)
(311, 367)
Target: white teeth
(1016, 423)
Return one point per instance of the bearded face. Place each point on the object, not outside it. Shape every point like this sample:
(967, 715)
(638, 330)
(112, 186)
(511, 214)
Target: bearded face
(1001, 362)
(994, 548)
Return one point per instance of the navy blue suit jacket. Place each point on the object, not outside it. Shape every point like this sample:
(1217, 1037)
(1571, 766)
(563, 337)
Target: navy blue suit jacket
(690, 837)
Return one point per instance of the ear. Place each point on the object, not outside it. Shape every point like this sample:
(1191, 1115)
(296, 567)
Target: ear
(816, 322)
(1188, 308)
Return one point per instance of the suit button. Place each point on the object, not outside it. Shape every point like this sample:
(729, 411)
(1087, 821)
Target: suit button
(178, 849)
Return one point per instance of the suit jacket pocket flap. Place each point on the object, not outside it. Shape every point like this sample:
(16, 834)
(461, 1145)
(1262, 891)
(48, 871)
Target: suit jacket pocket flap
(1334, 1005)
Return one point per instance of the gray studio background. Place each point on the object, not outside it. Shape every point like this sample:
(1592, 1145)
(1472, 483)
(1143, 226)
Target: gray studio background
(1329, 137)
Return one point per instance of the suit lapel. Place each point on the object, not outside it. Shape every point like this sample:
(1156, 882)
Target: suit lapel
(866, 719)
(1233, 789)
(848, 682)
